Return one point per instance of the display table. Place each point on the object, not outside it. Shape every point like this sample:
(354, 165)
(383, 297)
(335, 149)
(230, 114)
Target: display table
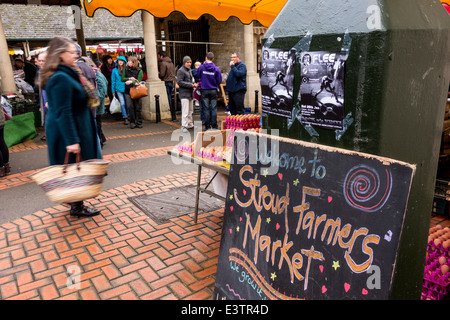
(205, 164)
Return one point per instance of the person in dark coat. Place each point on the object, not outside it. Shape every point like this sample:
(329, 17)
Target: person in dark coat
(186, 85)
(132, 75)
(106, 68)
(236, 84)
(70, 126)
(210, 78)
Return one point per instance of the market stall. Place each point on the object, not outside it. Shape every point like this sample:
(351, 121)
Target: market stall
(213, 150)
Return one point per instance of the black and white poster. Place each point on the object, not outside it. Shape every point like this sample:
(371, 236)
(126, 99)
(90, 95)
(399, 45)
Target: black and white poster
(322, 89)
(277, 81)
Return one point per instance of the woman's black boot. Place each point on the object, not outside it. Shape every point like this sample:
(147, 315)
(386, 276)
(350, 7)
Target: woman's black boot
(78, 209)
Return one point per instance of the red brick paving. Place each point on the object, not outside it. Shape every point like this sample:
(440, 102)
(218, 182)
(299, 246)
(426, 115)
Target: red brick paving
(121, 254)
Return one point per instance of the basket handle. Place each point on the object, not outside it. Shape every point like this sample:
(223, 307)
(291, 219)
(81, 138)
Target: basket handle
(66, 161)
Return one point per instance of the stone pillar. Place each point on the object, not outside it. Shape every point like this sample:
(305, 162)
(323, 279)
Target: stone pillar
(253, 82)
(154, 84)
(6, 72)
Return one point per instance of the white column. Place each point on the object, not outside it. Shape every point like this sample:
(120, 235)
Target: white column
(154, 84)
(253, 81)
(6, 72)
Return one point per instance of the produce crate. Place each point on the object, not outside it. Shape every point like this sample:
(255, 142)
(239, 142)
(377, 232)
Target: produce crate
(216, 139)
(21, 106)
(436, 276)
(442, 188)
(441, 205)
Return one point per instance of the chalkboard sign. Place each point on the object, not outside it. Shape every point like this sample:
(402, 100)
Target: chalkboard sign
(305, 221)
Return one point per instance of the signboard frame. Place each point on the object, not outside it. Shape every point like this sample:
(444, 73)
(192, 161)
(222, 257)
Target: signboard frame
(307, 221)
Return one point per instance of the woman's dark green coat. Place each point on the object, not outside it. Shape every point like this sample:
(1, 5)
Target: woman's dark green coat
(69, 119)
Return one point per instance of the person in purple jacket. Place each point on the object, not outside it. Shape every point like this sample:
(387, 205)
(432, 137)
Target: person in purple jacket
(210, 77)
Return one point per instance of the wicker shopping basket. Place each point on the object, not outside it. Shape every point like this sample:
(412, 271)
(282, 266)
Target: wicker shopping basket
(72, 182)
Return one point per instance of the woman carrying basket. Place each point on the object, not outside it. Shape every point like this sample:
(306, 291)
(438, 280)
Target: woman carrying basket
(70, 126)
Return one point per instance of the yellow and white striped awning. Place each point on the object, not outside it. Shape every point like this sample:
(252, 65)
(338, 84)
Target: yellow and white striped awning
(14, 51)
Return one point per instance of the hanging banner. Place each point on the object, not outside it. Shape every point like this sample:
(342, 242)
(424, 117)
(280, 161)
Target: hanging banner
(277, 81)
(322, 89)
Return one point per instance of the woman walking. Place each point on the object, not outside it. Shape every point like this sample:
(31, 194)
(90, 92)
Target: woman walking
(132, 75)
(118, 87)
(70, 126)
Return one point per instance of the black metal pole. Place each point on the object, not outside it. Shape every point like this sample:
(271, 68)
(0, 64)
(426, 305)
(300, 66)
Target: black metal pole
(158, 111)
(256, 101)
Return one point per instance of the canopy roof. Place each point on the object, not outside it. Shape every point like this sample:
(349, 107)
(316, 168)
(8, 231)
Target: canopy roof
(44, 2)
(263, 11)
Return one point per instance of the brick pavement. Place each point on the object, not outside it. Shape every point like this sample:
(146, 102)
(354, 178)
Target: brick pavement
(120, 254)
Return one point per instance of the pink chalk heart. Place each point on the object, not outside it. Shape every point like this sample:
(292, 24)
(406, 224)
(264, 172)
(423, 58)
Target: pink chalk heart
(277, 226)
(330, 198)
(280, 175)
(364, 291)
(346, 287)
(244, 192)
(240, 218)
(231, 208)
(321, 268)
(324, 289)
(231, 231)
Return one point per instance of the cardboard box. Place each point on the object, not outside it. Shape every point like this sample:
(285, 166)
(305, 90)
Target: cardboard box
(213, 138)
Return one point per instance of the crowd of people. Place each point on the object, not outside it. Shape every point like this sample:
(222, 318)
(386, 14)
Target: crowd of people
(202, 83)
(73, 90)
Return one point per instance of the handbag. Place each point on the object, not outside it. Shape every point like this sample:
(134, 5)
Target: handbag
(72, 182)
(139, 91)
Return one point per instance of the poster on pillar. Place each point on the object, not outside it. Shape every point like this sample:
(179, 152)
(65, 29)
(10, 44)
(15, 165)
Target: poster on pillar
(322, 89)
(307, 221)
(277, 81)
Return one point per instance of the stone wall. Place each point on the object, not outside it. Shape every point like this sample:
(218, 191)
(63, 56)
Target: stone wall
(230, 33)
(31, 22)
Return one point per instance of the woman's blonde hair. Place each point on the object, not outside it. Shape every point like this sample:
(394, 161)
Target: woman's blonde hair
(135, 61)
(56, 47)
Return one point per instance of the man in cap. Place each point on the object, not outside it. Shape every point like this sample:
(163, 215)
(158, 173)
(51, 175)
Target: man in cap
(88, 72)
(186, 82)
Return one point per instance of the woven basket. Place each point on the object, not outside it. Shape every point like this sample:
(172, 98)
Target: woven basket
(72, 182)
